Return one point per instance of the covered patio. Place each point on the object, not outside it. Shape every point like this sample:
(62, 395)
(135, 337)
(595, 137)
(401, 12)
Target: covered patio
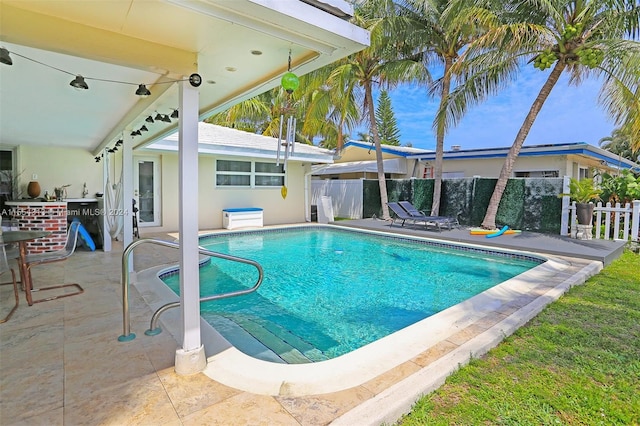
(135, 60)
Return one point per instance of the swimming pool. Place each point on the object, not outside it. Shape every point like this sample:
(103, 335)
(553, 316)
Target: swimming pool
(330, 291)
(431, 348)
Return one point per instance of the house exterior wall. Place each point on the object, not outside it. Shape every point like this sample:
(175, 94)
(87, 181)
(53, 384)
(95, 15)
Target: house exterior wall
(212, 200)
(358, 154)
(56, 167)
(490, 167)
(565, 165)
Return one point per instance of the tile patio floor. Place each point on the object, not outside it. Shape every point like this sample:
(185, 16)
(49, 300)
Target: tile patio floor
(61, 363)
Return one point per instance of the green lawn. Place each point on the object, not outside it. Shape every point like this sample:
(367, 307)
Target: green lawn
(576, 363)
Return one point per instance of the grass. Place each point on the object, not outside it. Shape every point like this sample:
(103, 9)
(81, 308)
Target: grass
(576, 363)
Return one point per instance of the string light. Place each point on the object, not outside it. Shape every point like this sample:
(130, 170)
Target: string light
(79, 81)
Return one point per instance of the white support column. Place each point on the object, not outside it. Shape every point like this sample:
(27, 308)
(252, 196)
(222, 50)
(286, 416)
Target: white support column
(106, 236)
(127, 193)
(191, 357)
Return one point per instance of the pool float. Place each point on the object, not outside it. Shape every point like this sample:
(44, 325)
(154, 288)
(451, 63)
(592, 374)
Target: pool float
(86, 237)
(500, 232)
(480, 231)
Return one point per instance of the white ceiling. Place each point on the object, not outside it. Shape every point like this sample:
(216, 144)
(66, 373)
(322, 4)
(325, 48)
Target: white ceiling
(154, 42)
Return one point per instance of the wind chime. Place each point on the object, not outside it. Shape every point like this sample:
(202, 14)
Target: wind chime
(287, 139)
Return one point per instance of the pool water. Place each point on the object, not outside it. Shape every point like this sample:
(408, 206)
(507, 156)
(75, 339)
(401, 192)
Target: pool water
(328, 291)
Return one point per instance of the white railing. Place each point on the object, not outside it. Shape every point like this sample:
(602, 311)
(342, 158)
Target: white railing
(610, 223)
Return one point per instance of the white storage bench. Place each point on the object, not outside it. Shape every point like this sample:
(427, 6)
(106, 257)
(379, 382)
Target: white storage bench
(242, 217)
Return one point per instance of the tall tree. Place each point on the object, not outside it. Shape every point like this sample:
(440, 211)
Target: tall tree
(321, 111)
(619, 143)
(583, 38)
(386, 120)
(442, 38)
(387, 61)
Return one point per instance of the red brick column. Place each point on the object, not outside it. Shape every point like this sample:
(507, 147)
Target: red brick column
(38, 216)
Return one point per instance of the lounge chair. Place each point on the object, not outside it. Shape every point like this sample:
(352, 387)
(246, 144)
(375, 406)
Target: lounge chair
(439, 221)
(401, 214)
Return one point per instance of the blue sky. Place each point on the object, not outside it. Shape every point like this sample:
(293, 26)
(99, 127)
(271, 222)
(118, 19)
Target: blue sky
(570, 114)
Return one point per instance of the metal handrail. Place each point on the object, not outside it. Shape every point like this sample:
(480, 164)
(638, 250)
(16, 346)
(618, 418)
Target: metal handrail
(126, 319)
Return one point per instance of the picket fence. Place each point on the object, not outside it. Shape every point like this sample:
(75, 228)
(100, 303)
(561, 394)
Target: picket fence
(610, 222)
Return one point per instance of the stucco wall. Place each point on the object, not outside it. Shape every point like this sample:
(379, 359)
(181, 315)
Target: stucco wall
(212, 200)
(60, 166)
(491, 167)
(56, 167)
(359, 154)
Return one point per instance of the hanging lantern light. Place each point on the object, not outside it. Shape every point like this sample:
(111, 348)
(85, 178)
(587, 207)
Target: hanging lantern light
(290, 82)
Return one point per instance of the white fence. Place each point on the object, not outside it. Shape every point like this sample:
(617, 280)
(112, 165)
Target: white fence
(346, 196)
(610, 223)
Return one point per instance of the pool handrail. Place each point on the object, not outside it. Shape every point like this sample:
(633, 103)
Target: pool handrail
(126, 318)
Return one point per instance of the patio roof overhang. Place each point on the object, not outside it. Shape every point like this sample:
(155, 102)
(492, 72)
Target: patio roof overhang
(240, 49)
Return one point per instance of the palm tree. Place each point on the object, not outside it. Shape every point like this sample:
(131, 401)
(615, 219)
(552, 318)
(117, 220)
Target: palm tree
(618, 143)
(441, 38)
(584, 38)
(330, 110)
(322, 111)
(388, 61)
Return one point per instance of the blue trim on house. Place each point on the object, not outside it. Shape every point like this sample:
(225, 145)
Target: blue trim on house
(243, 209)
(389, 149)
(579, 148)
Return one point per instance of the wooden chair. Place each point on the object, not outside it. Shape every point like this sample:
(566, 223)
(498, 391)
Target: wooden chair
(56, 256)
(4, 267)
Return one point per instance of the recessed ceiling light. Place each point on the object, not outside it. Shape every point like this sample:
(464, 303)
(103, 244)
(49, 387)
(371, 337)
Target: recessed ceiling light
(256, 52)
(231, 69)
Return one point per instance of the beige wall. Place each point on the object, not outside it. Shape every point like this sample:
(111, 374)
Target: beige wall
(491, 167)
(352, 153)
(212, 200)
(567, 165)
(56, 167)
(60, 166)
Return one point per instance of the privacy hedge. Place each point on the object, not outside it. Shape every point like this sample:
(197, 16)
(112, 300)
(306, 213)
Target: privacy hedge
(527, 204)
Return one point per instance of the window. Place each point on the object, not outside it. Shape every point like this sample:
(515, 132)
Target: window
(249, 174)
(452, 175)
(537, 174)
(583, 173)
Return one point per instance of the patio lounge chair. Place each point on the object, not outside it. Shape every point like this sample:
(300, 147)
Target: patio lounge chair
(439, 221)
(401, 214)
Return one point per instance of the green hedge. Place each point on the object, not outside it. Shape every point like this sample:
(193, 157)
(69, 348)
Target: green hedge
(527, 204)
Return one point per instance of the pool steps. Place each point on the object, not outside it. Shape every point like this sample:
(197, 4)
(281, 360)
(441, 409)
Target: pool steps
(280, 342)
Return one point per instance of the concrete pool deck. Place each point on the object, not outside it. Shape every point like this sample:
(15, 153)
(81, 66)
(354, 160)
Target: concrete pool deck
(61, 363)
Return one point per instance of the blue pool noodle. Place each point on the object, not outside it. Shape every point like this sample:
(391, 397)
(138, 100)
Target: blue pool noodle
(500, 232)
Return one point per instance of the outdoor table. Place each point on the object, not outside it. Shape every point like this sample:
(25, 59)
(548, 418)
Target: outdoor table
(22, 237)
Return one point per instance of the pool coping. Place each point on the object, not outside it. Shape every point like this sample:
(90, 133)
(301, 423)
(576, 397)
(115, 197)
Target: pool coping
(510, 304)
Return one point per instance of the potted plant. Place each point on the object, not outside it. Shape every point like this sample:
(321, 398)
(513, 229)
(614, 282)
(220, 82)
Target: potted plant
(583, 192)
